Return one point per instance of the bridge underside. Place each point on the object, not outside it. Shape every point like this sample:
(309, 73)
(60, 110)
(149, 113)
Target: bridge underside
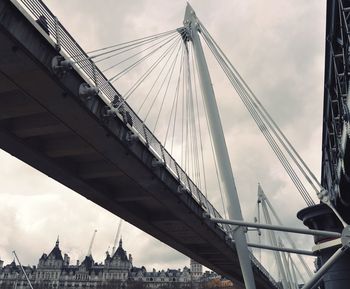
(45, 123)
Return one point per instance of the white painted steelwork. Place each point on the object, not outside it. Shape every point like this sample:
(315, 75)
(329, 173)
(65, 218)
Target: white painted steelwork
(223, 159)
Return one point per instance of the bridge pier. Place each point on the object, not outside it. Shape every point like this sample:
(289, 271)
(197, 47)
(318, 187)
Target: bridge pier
(320, 217)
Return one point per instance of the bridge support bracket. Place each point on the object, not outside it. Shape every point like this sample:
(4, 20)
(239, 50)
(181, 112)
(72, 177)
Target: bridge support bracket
(206, 215)
(157, 163)
(107, 112)
(182, 190)
(204, 206)
(86, 91)
(228, 239)
(131, 137)
(60, 66)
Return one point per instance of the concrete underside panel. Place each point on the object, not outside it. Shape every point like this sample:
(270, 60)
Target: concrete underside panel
(45, 123)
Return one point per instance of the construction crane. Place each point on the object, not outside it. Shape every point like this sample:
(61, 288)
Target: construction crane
(24, 272)
(91, 243)
(117, 236)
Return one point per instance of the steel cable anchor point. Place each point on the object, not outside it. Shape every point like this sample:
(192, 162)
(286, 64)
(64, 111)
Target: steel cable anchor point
(60, 66)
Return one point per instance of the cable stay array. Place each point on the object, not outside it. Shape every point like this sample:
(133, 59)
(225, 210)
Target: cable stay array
(170, 89)
(281, 146)
(158, 78)
(286, 266)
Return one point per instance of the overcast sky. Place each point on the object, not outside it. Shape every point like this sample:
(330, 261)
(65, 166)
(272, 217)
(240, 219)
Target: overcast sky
(277, 45)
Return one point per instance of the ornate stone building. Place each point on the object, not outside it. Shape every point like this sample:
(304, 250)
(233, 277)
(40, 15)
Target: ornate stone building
(196, 269)
(55, 271)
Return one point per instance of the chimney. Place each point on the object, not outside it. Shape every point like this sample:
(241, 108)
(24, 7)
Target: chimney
(1, 263)
(78, 263)
(66, 259)
(130, 258)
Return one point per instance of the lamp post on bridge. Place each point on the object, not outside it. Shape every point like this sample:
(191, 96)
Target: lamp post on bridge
(224, 165)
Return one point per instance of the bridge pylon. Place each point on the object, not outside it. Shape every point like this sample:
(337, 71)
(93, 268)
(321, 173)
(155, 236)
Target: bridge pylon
(191, 23)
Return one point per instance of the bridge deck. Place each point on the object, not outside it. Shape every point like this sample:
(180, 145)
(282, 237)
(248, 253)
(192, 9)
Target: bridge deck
(45, 123)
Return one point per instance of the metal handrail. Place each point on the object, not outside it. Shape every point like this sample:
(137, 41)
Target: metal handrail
(53, 30)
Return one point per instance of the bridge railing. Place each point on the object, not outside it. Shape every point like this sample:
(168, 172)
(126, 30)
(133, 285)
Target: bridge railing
(49, 26)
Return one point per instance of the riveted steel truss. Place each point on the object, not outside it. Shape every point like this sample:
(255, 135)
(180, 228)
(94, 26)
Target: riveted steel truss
(336, 91)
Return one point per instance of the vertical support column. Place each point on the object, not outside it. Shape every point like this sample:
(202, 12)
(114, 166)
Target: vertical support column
(234, 209)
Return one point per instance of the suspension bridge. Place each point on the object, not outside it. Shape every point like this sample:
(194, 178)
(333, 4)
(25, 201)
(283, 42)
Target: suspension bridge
(135, 128)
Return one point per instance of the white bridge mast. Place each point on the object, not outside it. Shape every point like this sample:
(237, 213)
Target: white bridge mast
(234, 210)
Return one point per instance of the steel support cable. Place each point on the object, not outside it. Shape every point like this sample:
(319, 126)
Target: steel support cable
(202, 166)
(175, 101)
(193, 126)
(195, 81)
(268, 137)
(259, 232)
(154, 83)
(89, 59)
(147, 73)
(266, 134)
(267, 122)
(289, 238)
(88, 64)
(213, 154)
(276, 148)
(298, 271)
(134, 64)
(132, 56)
(187, 162)
(268, 116)
(127, 69)
(273, 240)
(188, 122)
(285, 163)
(198, 130)
(192, 123)
(192, 140)
(291, 271)
(128, 48)
(135, 40)
(163, 81)
(120, 50)
(215, 165)
(190, 152)
(125, 45)
(295, 178)
(285, 264)
(174, 107)
(183, 119)
(227, 71)
(212, 146)
(167, 87)
(168, 53)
